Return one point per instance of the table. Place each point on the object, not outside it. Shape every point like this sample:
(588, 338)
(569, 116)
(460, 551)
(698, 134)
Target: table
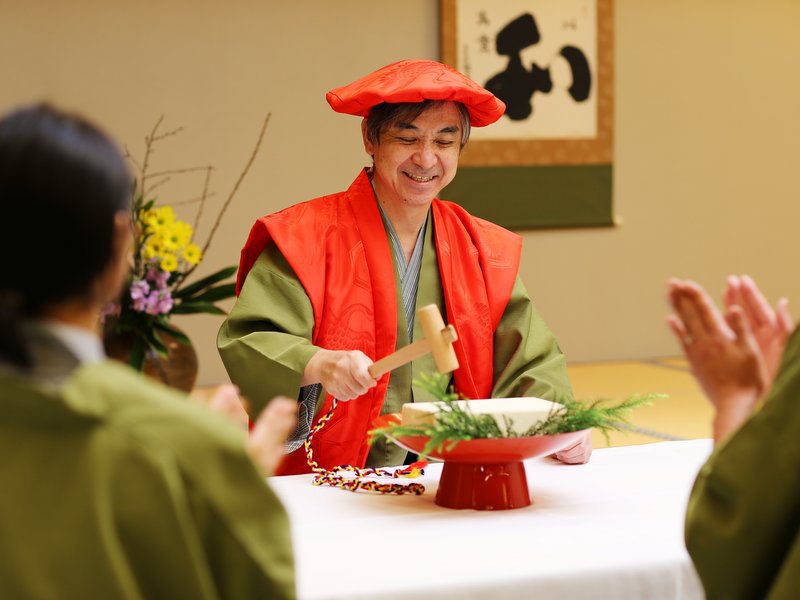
(611, 529)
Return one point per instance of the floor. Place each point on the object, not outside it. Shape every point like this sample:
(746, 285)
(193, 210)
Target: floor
(683, 414)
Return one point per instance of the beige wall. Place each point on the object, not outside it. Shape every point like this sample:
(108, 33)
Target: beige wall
(705, 151)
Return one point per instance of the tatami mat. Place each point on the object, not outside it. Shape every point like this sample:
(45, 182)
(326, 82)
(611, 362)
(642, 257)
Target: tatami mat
(683, 414)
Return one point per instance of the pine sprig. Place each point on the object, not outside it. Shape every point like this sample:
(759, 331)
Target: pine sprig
(598, 414)
(452, 425)
(455, 423)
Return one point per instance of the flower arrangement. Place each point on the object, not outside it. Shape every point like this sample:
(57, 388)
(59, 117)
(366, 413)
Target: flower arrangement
(454, 423)
(164, 255)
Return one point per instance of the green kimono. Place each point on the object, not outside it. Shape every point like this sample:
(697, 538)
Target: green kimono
(265, 342)
(743, 520)
(115, 487)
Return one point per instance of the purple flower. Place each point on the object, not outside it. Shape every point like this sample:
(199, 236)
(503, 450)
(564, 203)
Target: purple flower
(140, 304)
(139, 289)
(159, 302)
(162, 278)
(151, 294)
(139, 293)
(151, 304)
(165, 302)
(158, 277)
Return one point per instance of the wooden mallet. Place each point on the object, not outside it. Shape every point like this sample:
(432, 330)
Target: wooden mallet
(438, 341)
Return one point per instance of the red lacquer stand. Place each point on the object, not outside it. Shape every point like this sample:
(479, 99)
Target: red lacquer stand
(488, 474)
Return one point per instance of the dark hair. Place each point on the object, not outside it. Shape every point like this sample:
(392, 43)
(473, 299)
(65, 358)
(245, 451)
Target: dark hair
(62, 181)
(383, 116)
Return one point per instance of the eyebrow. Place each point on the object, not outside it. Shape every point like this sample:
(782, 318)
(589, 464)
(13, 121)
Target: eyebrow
(448, 129)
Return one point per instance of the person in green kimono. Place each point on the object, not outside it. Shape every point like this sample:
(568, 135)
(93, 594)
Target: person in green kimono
(417, 119)
(113, 485)
(743, 518)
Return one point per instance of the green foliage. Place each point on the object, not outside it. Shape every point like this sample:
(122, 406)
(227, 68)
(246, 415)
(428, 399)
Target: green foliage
(455, 423)
(200, 289)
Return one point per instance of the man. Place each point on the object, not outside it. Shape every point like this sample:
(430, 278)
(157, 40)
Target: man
(743, 518)
(328, 286)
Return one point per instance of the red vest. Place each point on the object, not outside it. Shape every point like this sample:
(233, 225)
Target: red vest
(337, 247)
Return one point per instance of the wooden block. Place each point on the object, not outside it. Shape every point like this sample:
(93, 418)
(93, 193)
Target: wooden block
(524, 412)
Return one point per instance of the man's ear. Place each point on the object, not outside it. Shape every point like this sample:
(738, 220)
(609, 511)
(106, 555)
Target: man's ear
(369, 147)
(123, 236)
(119, 262)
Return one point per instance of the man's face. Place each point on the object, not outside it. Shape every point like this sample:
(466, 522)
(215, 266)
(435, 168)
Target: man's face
(414, 161)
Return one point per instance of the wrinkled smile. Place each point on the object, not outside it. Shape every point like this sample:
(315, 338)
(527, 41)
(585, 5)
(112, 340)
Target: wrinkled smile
(418, 178)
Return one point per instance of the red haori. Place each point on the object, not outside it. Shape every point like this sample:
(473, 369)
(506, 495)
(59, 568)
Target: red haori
(337, 243)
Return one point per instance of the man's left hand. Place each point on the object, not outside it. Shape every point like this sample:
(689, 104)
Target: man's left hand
(579, 452)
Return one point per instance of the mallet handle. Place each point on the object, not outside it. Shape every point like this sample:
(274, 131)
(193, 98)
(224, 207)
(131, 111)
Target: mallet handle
(408, 353)
(398, 359)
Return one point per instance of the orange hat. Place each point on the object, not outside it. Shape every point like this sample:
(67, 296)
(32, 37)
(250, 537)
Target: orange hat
(415, 81)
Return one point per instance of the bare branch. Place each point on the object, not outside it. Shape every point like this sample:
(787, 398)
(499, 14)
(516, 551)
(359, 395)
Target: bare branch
(157, 184)
(179, 171)
(194, 200)
(175, 131)
(203, 197)
(148, 148)
(130, 157)
(230, 197)
(238, 182)
(166, 175)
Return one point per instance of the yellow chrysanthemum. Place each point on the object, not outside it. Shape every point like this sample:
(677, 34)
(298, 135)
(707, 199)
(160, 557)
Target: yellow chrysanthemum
(152, 248)
(182, 232)
(156, 219)
(166, 215)
(168, 263)
(153, 230)
(192, 254)
(168, 239)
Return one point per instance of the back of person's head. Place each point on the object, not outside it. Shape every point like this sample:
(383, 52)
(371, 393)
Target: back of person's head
(62, 183)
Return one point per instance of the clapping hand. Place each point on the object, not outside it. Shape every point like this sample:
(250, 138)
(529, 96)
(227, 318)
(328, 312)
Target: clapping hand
(723, 352)
(268, 437)
(265, 443)
(771, 327)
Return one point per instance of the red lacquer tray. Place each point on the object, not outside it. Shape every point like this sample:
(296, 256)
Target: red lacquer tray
(488, 474)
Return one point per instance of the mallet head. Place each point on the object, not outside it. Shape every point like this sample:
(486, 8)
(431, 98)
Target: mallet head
(440, 338)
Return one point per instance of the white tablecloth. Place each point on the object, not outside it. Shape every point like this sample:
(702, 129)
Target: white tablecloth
(611, 529)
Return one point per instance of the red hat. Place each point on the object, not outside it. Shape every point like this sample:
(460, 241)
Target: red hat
(415, 81)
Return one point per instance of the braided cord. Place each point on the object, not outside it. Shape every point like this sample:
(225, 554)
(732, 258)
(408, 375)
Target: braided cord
(348, 477)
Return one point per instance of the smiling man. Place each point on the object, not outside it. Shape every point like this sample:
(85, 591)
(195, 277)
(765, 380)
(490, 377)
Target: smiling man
(328, 286)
